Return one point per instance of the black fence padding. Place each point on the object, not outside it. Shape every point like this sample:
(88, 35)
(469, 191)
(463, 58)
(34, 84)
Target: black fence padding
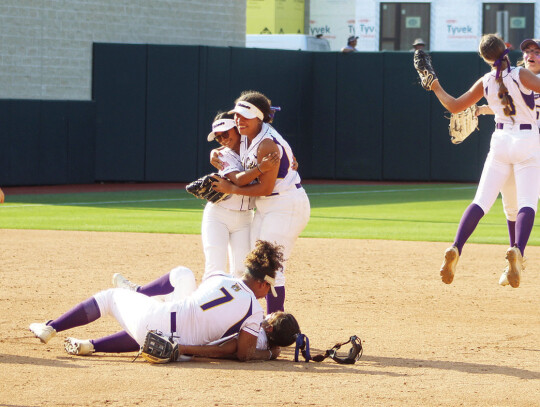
(171, 113)
(119, 89)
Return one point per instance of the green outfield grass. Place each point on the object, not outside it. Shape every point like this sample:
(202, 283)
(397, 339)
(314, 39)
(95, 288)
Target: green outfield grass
(423, 212)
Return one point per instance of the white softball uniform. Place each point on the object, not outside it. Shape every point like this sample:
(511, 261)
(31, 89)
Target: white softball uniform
(508, 191)
(515, 144)
(226, 226)
(183, 281)
(281, 216)
(220, 307)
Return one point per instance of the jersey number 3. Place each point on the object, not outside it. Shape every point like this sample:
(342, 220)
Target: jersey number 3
(511, 105)
(218, 301)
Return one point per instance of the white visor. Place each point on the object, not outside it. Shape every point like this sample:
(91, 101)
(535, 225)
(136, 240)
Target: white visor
(248, 110)
(271, 281)
(219, 126)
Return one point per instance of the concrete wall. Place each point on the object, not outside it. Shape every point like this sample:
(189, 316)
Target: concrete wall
(46, 45)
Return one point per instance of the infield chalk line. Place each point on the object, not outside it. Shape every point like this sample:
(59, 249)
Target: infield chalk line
(185, 199)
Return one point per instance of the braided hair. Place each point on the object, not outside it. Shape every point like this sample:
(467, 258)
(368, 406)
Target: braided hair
(493, 48)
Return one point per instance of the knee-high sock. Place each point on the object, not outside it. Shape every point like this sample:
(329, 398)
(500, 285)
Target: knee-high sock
(511, 231)
(115, 343)
(160, 286)
(274, 304)
(468, 223)
(82, 314)
(524, 225)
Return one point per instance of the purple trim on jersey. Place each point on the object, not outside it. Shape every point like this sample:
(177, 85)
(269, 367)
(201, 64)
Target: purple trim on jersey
(486, 90)
(236, 327)
(528, 99)
(284, 162)
(173, 322)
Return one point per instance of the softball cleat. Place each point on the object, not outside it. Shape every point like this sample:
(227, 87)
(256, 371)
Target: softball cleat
(448, 268)
(515, 266)
(81, 347)
(119, 281)
(42, 331)
(504, 276)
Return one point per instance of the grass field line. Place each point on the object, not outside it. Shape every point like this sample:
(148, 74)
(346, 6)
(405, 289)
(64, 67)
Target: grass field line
(391, 190)
(95, 203)
(378, 191)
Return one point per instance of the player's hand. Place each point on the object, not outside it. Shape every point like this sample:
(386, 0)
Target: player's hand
(268, 162)
(294, 165)
(276, 351)
(1, 196)
(223, 185)
(215, 160)
(483, 109)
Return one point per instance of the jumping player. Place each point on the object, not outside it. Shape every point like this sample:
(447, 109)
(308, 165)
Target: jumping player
(531, 61)
(226, 225)
(222, 306)
(282, 205)
(515, 147)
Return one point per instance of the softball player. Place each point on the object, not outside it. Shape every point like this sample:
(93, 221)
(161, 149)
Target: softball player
(531, 60)
(282, 205)
(226, 225)
(278, 329)
(515, 148)
(222, 306)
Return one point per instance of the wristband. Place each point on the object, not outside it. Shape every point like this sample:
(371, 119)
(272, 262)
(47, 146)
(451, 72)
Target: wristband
(270, 354)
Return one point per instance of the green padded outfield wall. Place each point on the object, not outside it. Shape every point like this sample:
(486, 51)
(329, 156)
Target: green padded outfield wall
(46, 142)
(357, 116)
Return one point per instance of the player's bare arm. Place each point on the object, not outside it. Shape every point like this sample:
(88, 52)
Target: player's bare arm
(456, 105)
(530, 80)
(214, 158)
(266, 180)
(245, 177)
(247, 349)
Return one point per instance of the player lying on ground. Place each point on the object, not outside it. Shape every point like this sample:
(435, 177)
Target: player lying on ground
(515, 147)
(277, 329)
(222, 306)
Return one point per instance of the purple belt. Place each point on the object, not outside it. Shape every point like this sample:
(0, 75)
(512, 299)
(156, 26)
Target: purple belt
(500, 126)
(298, 186)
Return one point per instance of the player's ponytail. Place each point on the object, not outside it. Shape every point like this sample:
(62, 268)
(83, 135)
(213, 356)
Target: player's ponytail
(264, 260)
(493, 49)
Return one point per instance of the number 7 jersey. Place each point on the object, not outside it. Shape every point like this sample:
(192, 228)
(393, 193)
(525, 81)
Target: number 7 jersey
(220, 307)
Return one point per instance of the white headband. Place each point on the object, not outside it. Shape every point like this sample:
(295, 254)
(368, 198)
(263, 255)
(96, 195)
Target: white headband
(248, 110)
(219, 126)
(272, 282)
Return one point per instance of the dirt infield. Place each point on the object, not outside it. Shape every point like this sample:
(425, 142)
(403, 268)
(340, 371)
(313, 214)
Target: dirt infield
(467, 344)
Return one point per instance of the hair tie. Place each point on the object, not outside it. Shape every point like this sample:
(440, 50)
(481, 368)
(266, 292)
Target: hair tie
(498, 62)
(274, 109)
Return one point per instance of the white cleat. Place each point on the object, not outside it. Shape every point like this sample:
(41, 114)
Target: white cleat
(42, 331)
(448, 268)
(81, 347)
(515, 266)
(503, 280)
(119, 281)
